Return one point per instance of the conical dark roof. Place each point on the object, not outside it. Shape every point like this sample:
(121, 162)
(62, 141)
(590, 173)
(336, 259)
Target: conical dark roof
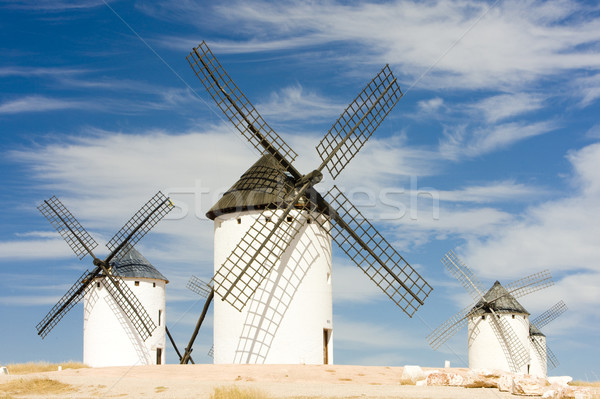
(533, 330)
(505, 302)
(133, 264)
(263, 185)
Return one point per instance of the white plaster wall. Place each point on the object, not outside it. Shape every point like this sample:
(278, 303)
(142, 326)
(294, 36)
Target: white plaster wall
(283, 322)
(485, 350)
(538, 362)
(109, 339)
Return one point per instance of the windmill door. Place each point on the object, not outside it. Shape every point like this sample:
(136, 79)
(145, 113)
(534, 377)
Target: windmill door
(326, 335)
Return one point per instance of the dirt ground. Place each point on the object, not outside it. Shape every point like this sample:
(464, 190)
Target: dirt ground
(275, 381)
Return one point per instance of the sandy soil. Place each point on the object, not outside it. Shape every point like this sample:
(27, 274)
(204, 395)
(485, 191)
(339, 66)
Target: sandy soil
(276, 381)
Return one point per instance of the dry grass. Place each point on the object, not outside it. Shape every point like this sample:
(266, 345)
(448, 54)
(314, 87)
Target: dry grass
(595, 384)
(33, 386)
(234, 392)
(39, 367)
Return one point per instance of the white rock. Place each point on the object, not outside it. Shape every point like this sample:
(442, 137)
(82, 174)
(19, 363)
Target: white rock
(445, 379)
(505, 383)
(421, 383)
(3, 371)
(551, 394)
(479, 378)
(560, 380)
(411, 374)
(529, 386)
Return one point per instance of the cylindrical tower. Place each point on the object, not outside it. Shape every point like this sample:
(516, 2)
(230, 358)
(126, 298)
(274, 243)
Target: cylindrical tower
(109, 338)
(288, 320)
(538, 353)
(487, 346)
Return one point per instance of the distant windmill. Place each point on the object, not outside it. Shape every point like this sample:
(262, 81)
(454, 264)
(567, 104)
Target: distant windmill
(498, 324)
(542, 358)
(117, 322)
(273, 233)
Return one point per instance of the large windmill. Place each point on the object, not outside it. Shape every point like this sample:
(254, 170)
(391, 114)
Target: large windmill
(498, 325)
(273, 232)
(542, 358)
(124, 295)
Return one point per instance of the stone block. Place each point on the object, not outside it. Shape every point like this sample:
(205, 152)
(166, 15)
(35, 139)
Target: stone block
(445, 379)
(411, 374)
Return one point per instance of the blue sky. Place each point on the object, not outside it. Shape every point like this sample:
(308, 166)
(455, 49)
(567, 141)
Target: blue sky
(494, 151)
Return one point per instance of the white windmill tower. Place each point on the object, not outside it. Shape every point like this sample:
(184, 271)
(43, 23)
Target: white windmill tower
(498, 334)
(273, 233)
(124, 294)
(498, 329)
(542, 358)
(103, 318)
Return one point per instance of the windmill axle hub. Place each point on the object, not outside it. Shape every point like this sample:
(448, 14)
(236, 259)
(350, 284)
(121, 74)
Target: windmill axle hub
(313, 177)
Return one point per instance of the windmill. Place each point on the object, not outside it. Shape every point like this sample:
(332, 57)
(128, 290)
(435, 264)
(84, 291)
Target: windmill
(498, 324)
(110, 286)
(273, 232)
(542, 358)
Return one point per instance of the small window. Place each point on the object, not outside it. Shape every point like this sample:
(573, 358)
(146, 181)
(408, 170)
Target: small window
(159, 314)
(137, 283)
(98, 284)
(513, 316)
(483, 317)
(309, 220)
(239, 220)
(289, 219)
(154, 285)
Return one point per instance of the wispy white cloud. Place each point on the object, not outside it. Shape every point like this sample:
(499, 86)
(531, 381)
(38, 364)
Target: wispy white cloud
(53, 6)
(29, 300)
(40, 234)
(593, 132)
(460, 142)
(431, 105)
(34, 249)
(25, 71)
(295, 103)
(43, 104)
(588, 89)
(491, 192)
(512, 43)
(505, 106)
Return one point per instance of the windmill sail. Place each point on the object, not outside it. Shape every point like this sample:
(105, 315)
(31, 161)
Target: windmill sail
(358, 122)
(139, 225)
(357, 237)
(82, 243)
(64, 304)
(234, 104)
